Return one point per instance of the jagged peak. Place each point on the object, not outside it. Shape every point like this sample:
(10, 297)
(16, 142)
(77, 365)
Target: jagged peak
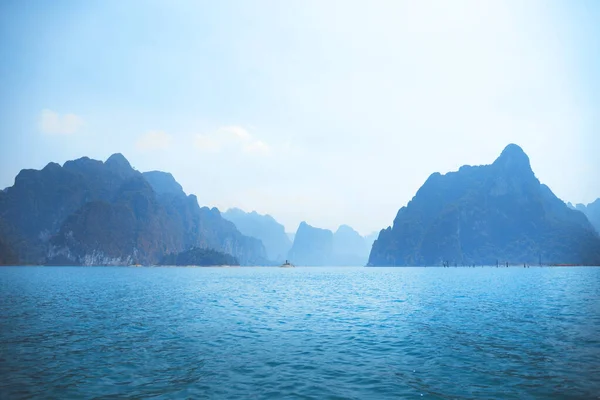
(595, 203)
(80, 159)
(29, 173)
(514, 149)
(306, 227)
(513, 157)
(51, 166)
(81, 162)
(163, 182)
(193, 198)
(159, 173)
(117, 160)
(434, 176)
(346, 229)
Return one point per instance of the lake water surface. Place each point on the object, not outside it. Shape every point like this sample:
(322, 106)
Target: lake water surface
(305, 333)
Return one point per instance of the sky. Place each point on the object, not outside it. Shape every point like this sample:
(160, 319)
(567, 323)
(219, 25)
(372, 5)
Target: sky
(330, 112)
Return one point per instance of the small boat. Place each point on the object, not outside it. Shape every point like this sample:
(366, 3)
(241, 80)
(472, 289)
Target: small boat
(287, 264)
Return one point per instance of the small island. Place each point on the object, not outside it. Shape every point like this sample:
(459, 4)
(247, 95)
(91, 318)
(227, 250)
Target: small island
(199, 257)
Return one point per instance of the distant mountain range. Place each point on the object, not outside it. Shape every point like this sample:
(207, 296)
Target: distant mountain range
(308, 246)
(263, 227)
(89, 212)
(321, 247)
(487, 214)
(592, 212)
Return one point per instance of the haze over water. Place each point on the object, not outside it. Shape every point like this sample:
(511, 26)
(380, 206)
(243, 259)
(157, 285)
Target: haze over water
(305, 333)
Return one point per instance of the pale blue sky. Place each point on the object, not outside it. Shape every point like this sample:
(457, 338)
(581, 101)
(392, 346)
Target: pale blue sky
(326, 111)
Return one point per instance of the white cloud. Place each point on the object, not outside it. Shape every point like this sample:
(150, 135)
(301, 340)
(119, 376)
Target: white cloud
(207, 143)
(257, 147)
(56, 124)
(236, 131)
(154, 140)
(233, 138)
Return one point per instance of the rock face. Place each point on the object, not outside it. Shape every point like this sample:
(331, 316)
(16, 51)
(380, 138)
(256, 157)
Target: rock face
(591, 211)
(320, 247)
(263, 227)
(204, 227)
(200, 257)
(349, 247)
(484, 214)
(7, 255)
(92, 213)
(132, 228)
(163, 183)
(312, 246)
(35, 207)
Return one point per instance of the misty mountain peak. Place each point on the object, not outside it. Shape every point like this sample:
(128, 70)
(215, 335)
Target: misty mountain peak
(51, 166)
(235, 211)
(481, 214)
(163, 182)
(513, 158)
(346, 229)
(82, 163)
(263, 227)
(118, 161)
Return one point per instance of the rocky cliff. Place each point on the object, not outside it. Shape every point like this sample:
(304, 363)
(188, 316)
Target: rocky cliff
(92, 212)
(320, 247)
(349, 247)
(312, 246)
(484, 214)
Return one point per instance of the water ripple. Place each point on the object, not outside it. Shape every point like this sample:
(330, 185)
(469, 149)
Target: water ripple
(306, 333)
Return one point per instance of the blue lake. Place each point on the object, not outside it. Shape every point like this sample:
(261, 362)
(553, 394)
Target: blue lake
(260, 333)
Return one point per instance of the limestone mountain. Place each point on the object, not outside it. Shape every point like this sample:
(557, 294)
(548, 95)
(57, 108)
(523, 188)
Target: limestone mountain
(93, 212)
(263, 227)
(204, 227)
(132, 228)
(321, 247)
(163, 183)
(481, 214)
(349, 247)
(35, 207)
(312, 246)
